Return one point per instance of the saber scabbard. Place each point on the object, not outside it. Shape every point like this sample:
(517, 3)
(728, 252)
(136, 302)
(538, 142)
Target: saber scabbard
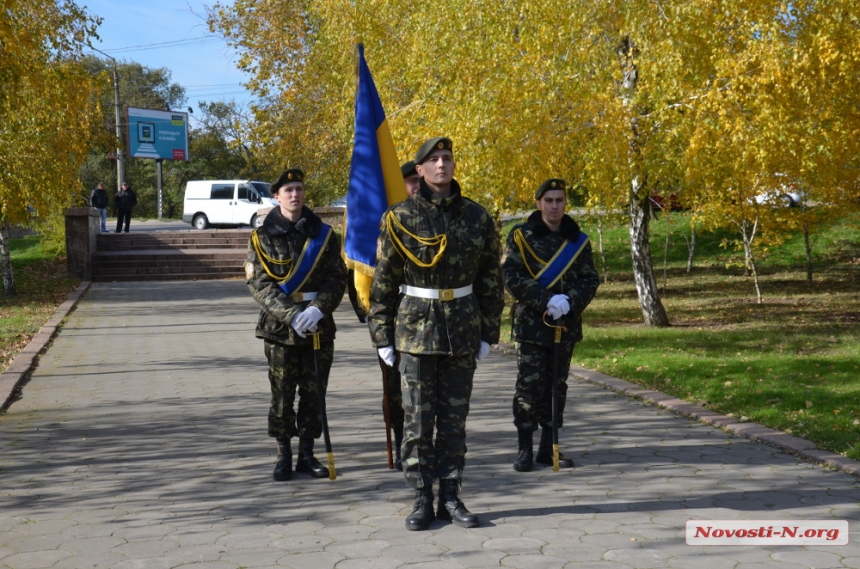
(556, 356)
(386, 412)
(323, 416)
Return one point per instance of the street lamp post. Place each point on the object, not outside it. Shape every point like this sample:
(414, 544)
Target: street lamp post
(120, 166)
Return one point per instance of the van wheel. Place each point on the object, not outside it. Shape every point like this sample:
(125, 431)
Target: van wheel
(257, 221)
(200, 222)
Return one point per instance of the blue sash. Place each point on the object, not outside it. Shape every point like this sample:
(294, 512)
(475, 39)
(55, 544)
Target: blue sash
(311, 254)
(561, 261)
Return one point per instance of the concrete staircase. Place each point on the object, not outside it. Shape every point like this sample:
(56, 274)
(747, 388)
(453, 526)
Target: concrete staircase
(170, 255)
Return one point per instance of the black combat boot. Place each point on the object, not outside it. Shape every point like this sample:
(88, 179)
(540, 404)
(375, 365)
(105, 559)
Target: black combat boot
(307, 462)
(398, 442)
(451, 508)
(544, 454)
(525, 458)
(422, 510)
(284, 466)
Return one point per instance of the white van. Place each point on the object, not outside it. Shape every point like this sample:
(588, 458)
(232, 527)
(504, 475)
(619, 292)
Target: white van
(225, 202)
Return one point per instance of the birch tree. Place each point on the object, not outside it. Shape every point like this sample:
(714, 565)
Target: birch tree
(47, 113)
(619, 97)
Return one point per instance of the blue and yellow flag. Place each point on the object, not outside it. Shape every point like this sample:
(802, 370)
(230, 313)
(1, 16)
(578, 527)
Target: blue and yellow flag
(375, 181)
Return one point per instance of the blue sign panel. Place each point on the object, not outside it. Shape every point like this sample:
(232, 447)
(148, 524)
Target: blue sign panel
(157, 134)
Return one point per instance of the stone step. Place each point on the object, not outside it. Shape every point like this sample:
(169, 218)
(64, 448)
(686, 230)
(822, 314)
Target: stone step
(170, 255)
(220, 239)
(172, 276)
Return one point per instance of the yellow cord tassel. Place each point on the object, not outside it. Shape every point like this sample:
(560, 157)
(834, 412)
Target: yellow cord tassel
(440, 240)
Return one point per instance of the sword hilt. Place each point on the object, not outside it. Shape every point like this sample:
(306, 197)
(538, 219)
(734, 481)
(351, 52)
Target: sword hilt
(557, 329)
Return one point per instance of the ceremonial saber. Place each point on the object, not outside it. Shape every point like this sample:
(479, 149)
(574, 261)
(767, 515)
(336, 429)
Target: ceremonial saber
(386, 412)
(332, 475)
(556, 356)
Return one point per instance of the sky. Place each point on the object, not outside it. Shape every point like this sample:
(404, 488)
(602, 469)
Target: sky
(171, 34)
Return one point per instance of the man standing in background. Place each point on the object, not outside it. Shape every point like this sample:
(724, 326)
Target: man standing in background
(124, 200)
(99, 200)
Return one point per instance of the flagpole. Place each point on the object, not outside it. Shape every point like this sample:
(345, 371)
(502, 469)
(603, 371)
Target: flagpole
(375, 183)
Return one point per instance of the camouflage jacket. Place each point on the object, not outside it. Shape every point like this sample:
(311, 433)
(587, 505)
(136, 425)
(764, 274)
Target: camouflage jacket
(471, 257)
(281, 240)
(579, 283)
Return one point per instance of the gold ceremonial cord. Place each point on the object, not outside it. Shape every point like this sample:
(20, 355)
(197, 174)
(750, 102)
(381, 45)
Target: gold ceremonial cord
(255, 241)
(440, 240)
(524, 246)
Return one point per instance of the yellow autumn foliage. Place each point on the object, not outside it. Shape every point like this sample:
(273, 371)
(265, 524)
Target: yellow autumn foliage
(722, 98)
(48, 112)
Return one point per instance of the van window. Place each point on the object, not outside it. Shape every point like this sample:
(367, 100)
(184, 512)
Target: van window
(222, 191)
(262, 189)
(247, 194)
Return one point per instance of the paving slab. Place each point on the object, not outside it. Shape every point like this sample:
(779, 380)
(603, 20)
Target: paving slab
(139, 440)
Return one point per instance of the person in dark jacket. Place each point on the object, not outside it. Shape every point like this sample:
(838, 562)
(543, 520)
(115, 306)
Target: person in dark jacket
(550, 272)
(123, 201)
(295, 273)
(99, 200)
(436, 302)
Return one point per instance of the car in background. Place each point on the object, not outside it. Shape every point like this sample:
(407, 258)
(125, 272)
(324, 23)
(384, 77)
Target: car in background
(225, 202)
(788, 194)
(332, 214)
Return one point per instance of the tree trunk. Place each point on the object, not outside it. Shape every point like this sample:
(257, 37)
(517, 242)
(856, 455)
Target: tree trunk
(643, 271)
(639, 204)
(691, 249)
(602, 252)
(6, 259)
(748, 234)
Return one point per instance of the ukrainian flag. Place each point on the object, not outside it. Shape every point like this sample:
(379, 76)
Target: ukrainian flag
(375, 181)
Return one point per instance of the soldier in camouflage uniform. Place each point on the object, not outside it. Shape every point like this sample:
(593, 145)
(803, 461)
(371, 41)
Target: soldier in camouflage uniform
(562, 291)
(436, 299)
(287, 321)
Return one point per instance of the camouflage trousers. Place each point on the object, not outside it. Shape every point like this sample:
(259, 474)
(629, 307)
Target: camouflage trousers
(533, 397)
(438, 389)
(291, 370)
(394, 390)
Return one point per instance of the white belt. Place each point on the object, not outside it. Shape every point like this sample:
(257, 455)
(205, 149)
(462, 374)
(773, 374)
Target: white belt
(443, 294)
(303, 296)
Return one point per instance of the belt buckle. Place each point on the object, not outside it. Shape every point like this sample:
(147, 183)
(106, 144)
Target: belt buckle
(446, 294)
(297, 297)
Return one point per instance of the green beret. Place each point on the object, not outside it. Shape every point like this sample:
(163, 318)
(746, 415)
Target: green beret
(551, 184)
(290, 175)
(438, 143)
(408, 169)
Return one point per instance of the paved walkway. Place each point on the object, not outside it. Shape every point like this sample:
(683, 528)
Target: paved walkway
(140, 442)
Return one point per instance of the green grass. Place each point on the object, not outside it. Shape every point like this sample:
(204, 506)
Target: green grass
(42, 284)
(790, 363)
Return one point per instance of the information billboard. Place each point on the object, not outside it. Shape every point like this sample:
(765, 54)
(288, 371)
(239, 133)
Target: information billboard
(157, 134)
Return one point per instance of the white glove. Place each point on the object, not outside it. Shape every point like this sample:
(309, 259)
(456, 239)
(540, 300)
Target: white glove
(483, 350)
(307, 320)
(298, 330)
(558, 306)
(386, 354)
